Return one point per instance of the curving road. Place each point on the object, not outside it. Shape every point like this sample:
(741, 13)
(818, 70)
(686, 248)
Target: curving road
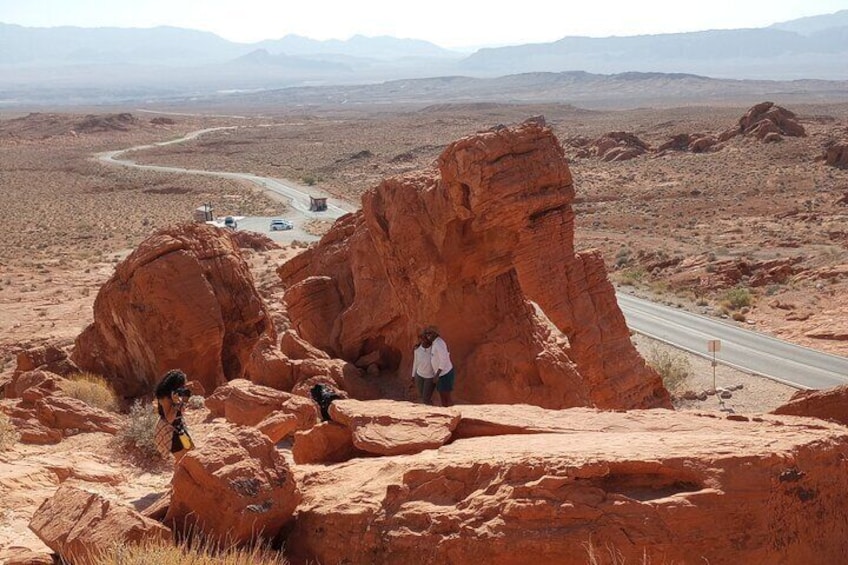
(748, 351)
(298, 199)
(743, 349)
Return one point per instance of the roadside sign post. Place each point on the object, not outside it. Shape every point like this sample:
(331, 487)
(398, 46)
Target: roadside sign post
(714, 346)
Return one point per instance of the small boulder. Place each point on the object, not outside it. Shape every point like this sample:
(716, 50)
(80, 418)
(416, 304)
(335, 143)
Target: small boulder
(245, 403)
(328, 442)
(65, 413)
(78, 525)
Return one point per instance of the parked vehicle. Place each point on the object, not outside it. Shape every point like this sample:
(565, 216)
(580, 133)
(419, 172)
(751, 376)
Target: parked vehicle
(230, 222)
(279, 224)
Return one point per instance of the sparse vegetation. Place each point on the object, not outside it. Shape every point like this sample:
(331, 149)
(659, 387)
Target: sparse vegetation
(138, 433)
(195, 553)
(736, 299)
(631, 276)
(8, 434)
(310, 179)
(674, 368)
(91, 389)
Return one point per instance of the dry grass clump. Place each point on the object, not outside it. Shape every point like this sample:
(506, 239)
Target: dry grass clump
(138, 432)
(91, 389)
(196, 553)
(674, 368)
(8, 434)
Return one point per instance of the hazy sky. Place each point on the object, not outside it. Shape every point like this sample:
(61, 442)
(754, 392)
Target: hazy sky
(449, 23)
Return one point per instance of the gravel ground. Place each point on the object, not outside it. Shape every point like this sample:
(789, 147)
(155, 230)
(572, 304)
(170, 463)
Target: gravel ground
(757, 395)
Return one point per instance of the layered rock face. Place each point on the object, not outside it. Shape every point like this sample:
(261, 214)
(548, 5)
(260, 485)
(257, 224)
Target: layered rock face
(184, 299)
(483, 248)
(520, 484)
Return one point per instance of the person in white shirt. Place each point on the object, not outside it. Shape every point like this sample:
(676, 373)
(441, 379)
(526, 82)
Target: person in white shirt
(443, 373)
(422, 369)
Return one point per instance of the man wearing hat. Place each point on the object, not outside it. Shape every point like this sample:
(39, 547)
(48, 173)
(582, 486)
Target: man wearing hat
(442, 366)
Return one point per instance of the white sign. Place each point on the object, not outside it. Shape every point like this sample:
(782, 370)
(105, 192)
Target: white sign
(714, 345)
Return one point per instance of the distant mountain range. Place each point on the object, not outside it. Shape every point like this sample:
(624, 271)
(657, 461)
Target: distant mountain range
(69, 65)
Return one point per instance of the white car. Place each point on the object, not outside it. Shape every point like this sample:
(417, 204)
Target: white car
(230, 222)
(281, 225)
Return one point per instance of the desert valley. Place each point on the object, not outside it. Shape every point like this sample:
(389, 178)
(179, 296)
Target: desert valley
(510, 225)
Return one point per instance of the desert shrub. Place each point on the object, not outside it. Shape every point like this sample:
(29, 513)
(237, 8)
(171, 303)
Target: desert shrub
(91, 389)
(8, 434)
(310, 179)
(674, 368)
(631, 276)
(736, 298)
(138, 432)
(195, 553)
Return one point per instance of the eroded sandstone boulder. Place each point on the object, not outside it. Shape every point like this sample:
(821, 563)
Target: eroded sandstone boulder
(484, 248)
(66, 413)
(235, 487)
(386, 427)
(830, 404)
(328, 442)
(542, 485)
(243, 402)
(51, 358)
(614, 146)
(183, 299)
(836, 154)
(78, 525)
(768, 122)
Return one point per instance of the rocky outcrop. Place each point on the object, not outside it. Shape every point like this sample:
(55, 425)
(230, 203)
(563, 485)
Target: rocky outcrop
(50, 358)
(692, 142)
(275, 412)
(836, 154)
(328, 442)
(768, 122)
(527, 485)
(614, 146)
(184, 299)
(234, 488)
(80, 525)
(483, 247)
(830, 404)
(385, 427)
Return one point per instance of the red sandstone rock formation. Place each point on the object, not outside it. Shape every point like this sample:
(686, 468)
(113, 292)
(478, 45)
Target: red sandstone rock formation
(768, 122)
(836, 154)
(615, 146)
(695, 142)
(383, 427)
(235, 487)
(79, 525)
(831, 404)
(184, 299)
(328, 442)
(278, 414)
(50, 358)
(483, 248)
(520, 484)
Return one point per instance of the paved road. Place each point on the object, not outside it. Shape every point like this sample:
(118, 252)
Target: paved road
(746, 350)
(298, 199)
